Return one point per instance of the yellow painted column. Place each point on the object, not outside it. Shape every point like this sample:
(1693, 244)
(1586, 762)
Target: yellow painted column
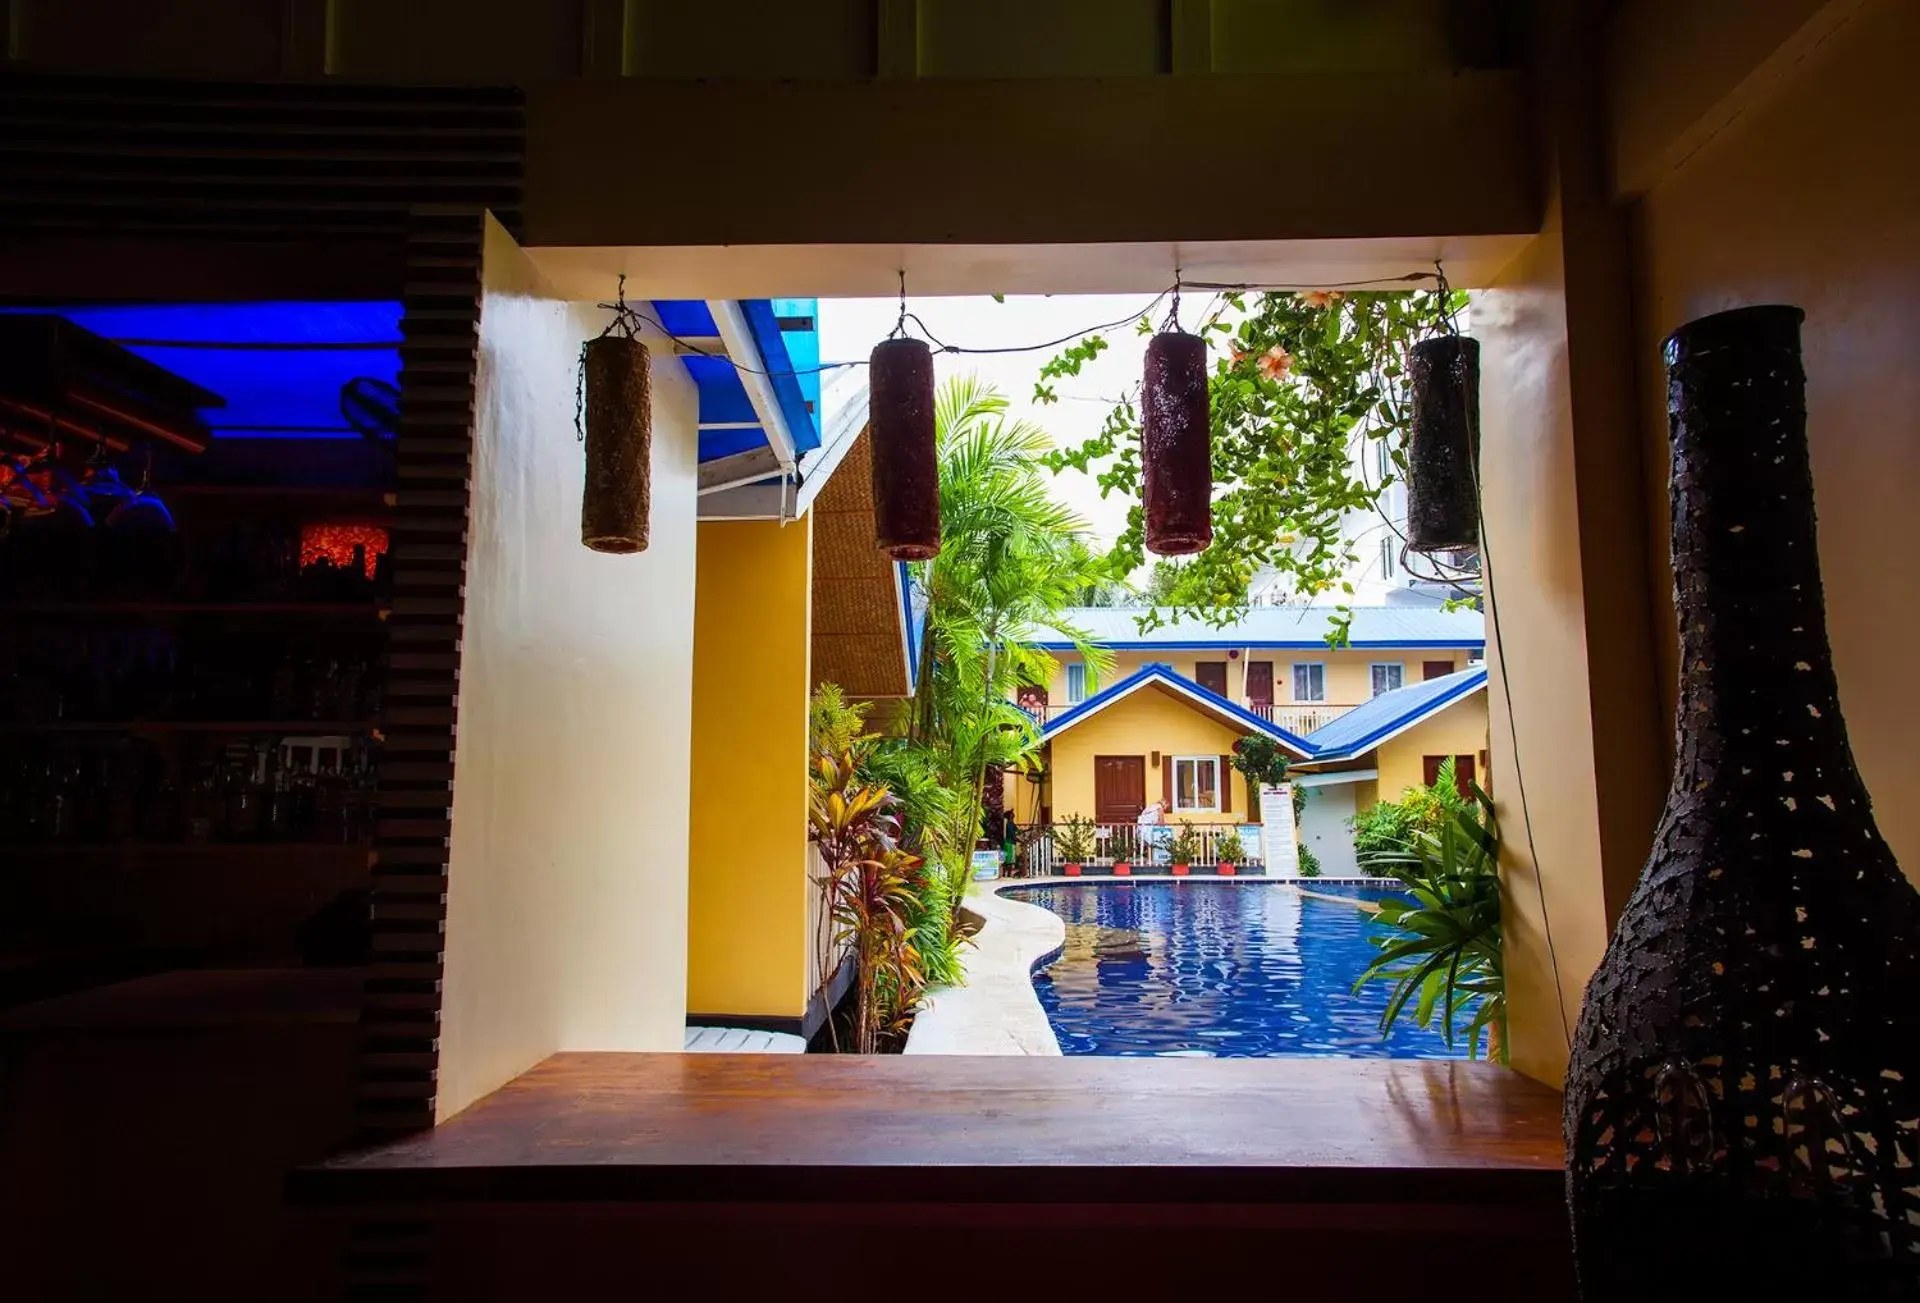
(747, 898)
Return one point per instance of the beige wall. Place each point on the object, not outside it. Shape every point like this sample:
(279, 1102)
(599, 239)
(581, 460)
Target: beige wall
(1809, 195)
(1349, 673)
(1459, 730)
(1146, 721)
(1532, 542)
(567, 888)
(747, 938)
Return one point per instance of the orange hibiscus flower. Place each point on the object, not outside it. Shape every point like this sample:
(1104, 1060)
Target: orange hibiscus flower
(1319, 298)
(1275, 363)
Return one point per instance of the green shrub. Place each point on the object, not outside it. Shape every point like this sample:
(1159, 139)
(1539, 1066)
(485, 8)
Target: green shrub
(1390, 830)
(1440, 953)
(1383, 829)
(1309, 863)
(836, 726)
(1227, 847)
(1073, 840)
(1186, 846)
(1261, 761)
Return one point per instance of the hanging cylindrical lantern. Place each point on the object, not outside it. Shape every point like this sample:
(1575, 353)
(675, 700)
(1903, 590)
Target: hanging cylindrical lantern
(1176, 445)
(1443, 445)
(906, 465)
(614, 508)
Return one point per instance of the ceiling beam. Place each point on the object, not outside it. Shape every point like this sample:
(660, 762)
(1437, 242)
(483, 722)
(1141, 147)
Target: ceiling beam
(749, 502)
(740, 468)
(1313, 155)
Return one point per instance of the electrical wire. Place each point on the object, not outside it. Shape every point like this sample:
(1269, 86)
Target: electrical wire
(1082, 333)
(1519, 769)
(1409, 278)
(625, 313)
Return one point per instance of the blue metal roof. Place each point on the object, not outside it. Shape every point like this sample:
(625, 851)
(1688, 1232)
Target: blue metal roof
(1366, 726)
(1166, 676)
(1374, 627)
(914, 604)
(786, 337)
(280, 366)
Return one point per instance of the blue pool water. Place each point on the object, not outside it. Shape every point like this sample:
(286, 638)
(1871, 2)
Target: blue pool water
(1246, 970)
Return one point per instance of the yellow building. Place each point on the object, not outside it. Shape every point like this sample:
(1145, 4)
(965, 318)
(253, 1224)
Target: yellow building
(1378, 750)
(1365, 720)
(1275, 660)
(789, 593)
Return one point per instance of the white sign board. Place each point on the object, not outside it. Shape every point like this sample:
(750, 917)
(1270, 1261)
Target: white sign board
(1278, 845)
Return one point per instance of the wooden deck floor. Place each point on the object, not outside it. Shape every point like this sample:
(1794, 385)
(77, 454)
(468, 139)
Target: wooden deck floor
(643, 1127)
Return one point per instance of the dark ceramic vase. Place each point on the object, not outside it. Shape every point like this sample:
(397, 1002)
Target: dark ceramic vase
(1742, 1119)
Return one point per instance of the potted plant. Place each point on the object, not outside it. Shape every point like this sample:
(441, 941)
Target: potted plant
(1073, 843)
(1228, 850)
(1185, 850)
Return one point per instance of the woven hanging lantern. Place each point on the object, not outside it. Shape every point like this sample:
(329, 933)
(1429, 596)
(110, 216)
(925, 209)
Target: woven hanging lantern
(1444, 445)
(906, 467)
(614, 508)
(1176, 445)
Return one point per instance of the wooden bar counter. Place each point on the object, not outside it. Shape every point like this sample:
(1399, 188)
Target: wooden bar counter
(1044, 1175)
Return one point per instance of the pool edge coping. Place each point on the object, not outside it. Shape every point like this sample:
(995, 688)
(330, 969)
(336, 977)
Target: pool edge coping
(996, 1011)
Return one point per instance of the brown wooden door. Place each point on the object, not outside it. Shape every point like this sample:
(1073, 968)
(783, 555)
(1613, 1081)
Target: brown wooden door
(1259, 683)
(1435, 669)
(1211, 675)
(1463, 771)
(1119, 788)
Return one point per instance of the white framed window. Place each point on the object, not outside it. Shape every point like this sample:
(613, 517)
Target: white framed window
(1309, 680)
(1387, 559)
(1196, 784)
(1076, 684)
(1388, 675)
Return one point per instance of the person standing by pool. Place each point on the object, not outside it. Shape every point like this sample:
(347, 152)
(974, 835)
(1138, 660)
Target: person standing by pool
(1151, 825)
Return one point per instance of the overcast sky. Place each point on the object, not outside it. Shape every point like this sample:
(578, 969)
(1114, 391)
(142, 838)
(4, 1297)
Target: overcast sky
(849, 328)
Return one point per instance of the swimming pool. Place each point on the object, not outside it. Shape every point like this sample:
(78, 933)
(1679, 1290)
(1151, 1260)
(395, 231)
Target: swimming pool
(1229, 970)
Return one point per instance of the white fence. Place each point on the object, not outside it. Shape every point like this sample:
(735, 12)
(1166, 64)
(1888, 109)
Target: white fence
(1126, 843)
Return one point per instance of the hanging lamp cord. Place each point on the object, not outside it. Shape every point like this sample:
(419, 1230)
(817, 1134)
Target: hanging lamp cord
(626, 322)
(900, 326)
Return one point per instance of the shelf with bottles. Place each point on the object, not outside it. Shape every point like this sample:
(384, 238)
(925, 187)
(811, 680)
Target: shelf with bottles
(330, 610)
(109, 677)
(246, 559)
(191, 790)
(161, 727)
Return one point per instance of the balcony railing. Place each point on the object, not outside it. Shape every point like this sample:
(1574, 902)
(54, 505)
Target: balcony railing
(1146, 848)
(1299, 717)
(1295, 717)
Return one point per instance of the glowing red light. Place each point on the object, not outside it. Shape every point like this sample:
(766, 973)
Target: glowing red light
(335, 543)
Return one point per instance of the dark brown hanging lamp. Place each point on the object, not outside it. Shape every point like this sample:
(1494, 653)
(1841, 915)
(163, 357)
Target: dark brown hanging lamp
(616, 383)
(1176, 441)
(1443, 441)
(906, 464)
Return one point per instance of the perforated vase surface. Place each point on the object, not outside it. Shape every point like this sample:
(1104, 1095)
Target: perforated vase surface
(1741, 1115)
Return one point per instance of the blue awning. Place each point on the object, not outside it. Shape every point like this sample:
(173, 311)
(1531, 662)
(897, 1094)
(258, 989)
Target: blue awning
(783, 339)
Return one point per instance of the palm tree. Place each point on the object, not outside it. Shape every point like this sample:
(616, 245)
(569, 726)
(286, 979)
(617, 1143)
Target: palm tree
(1011, 561)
